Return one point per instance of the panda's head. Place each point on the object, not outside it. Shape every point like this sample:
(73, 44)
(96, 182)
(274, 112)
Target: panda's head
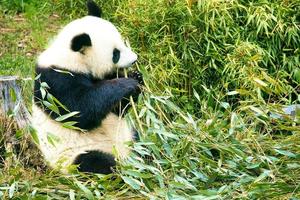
(88, 45)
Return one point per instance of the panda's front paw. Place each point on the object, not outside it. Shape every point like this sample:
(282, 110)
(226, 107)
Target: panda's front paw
(129, 84)
(136, 75)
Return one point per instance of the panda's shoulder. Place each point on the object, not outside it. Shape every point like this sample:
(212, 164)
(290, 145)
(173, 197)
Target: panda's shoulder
(58, 76)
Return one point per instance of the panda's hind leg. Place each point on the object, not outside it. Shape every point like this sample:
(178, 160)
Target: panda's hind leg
(95, 162)
(112, 135)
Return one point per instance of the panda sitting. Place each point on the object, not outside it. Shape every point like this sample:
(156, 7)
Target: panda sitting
(80, 69)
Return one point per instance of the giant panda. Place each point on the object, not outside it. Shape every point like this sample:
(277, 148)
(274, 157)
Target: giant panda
(80, 71)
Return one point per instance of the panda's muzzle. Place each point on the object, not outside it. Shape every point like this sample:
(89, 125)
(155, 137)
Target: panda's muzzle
(133, 62)
(127, 59)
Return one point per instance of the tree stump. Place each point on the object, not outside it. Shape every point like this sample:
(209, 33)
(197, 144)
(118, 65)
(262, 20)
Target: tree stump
(11, 101)
(14, 117)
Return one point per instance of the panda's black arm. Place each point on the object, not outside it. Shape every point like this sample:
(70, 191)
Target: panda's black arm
(78, 92)
(124, 105)
(97, 100)
(120, 74)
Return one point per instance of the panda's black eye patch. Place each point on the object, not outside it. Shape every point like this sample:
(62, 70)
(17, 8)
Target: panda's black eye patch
(116, 55)
(79, 42)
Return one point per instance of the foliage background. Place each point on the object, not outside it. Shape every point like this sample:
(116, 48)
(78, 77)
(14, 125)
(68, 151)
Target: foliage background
(214, 71)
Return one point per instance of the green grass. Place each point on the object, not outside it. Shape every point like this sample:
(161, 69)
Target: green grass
(214, 71)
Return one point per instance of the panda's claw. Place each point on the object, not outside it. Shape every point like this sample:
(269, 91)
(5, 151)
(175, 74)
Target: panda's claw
(137, 76)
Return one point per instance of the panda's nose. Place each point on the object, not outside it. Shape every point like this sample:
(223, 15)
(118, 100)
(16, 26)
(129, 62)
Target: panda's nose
(133, 58)
(127, 59)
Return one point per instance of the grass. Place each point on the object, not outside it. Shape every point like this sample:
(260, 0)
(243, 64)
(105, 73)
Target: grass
(214, 71)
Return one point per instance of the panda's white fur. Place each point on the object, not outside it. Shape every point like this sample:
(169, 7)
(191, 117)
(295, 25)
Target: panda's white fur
(104, 36)
(60, 146)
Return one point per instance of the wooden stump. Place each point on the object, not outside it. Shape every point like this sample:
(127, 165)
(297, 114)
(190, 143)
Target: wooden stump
(11, 101)
(14, 116)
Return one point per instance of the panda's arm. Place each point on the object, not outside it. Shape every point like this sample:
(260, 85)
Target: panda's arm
(95, 101)
(124, 105)
(79, 93)
(132, 74)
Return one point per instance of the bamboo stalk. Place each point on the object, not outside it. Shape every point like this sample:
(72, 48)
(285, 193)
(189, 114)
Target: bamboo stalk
(134, 108)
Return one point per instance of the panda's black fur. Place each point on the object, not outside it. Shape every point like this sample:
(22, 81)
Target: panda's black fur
(94, 93)
(94, 9)
(98, 97)
(95, 161)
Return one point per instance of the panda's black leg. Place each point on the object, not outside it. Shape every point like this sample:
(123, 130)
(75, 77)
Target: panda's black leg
(95, 162)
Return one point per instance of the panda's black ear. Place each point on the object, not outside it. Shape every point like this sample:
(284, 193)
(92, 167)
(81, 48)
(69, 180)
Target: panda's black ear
(93, 9)
(80, 42)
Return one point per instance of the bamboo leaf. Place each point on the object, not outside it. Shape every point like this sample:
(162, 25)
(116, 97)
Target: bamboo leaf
(260, 82)
(51, 107)
(66, 116)
(34, 135)
(135, 184)
(285, 153)
(232, 93)
(87, 193)
(12, 190)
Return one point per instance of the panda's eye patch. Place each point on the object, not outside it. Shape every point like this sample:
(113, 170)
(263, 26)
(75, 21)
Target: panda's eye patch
(116, 55)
